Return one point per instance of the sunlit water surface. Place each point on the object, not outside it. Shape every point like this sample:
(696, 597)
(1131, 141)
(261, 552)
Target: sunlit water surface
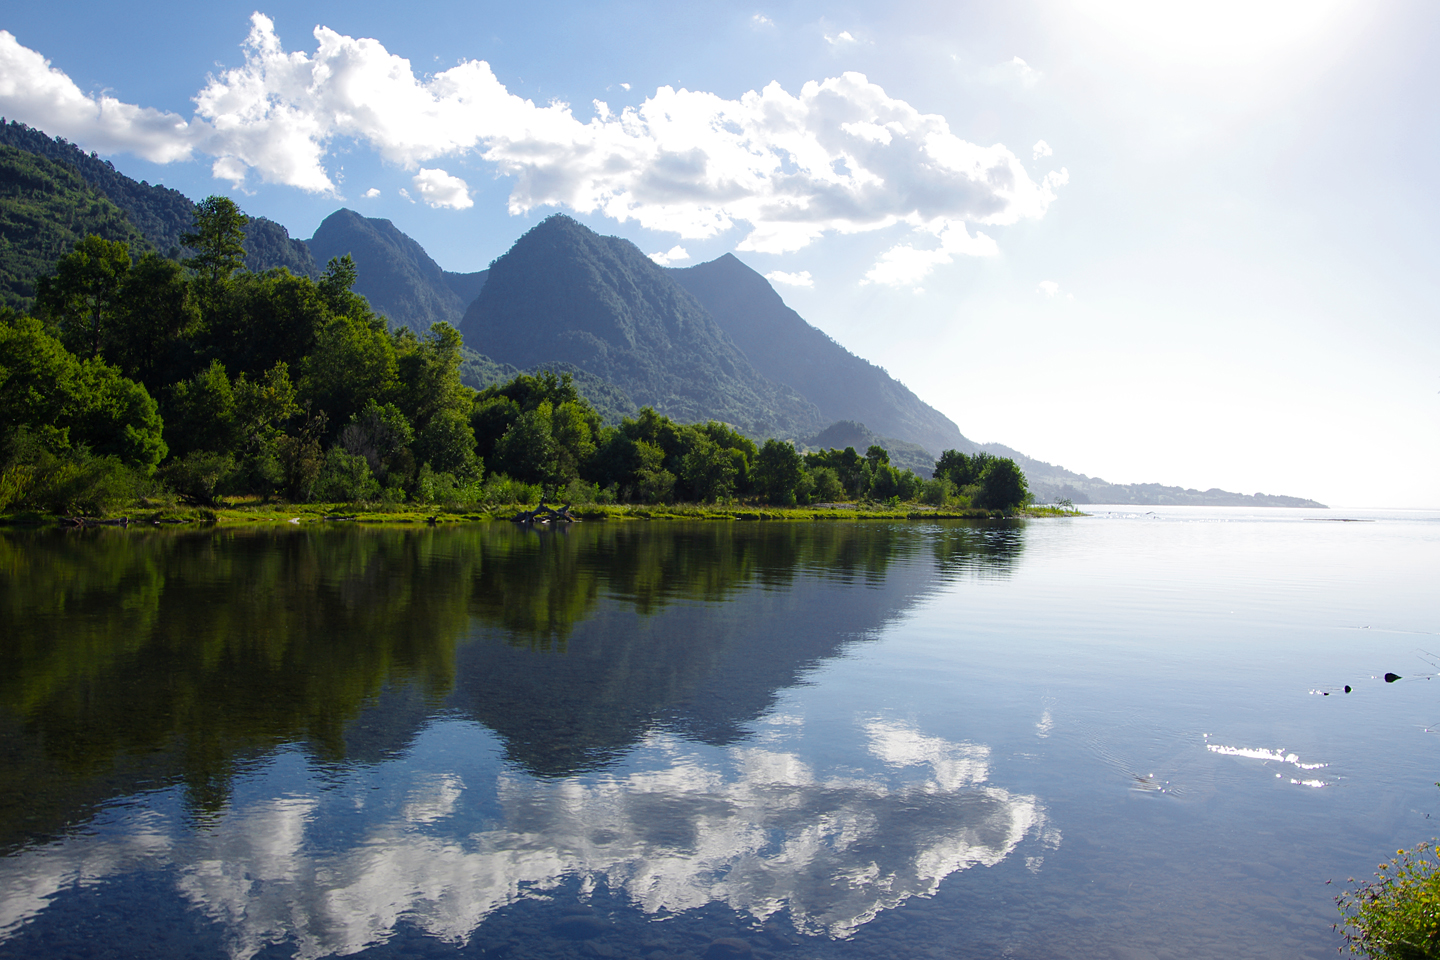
(1125, 735)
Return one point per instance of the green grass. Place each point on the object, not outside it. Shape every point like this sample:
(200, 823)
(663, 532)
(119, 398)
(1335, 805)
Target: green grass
(252, 511)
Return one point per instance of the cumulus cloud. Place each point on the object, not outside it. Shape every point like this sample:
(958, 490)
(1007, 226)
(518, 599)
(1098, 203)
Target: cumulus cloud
(801, 279)
(1042, 149)
(839, 156)
(34, 92)
(625, 86)
(1048, 287)
(372, 193)
(844, 37)
(675, 253)
(439, 189)
(760, 20)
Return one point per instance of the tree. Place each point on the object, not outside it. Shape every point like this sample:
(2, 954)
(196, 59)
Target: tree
(1002, 485)
(81, 296)
(46, 390)
(155, 317)
(778, 469)
(218, 239)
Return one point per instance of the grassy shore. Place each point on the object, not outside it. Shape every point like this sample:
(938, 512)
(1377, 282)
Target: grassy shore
(250, 511)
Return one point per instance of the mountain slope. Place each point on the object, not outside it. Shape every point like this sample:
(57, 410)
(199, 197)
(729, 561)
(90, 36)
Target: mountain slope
(159, 213)
(1049, 483)
(564, 294)
(785, 348)
(45, 207)
(396, 275)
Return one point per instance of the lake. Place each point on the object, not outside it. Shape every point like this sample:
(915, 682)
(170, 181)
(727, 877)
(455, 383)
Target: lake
(1124, 735)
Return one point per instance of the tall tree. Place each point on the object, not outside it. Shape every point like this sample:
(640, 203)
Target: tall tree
(83, 293)
(218, 239)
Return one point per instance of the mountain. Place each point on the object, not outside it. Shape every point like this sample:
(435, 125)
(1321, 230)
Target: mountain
(785, 348)
(396, 275)
(45, 207)
(1050, 483)
(159, 213)
(564, 294)
(848, 433)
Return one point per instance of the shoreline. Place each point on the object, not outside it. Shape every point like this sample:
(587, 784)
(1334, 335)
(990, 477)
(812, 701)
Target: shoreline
(249, 514)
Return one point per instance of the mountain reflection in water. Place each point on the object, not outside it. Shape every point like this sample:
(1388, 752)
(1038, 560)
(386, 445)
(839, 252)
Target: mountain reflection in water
(431, 725)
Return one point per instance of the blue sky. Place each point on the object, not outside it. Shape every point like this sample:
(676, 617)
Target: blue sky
(1178, 243)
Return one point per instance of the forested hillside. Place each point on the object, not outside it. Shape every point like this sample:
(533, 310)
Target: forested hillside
(45, 208)
(564, 294)
(160, 214)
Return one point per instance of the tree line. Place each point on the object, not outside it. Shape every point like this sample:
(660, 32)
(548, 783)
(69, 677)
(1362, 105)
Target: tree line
(153, 377)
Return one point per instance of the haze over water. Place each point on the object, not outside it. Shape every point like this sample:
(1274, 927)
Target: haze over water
(1118, 736)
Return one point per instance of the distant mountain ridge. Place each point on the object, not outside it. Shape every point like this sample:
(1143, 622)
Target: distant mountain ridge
(395, 273)
(565, 294)
(159, 213)
(788, 350)
(1050, 483)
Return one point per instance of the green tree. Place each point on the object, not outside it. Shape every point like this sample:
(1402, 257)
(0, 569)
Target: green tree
(66, 401)
(218, 240)
(82, 295)
(1002, 485)
(778, 469)
(156, 319)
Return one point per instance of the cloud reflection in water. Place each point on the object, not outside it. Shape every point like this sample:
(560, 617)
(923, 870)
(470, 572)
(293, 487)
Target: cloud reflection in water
(759, 829)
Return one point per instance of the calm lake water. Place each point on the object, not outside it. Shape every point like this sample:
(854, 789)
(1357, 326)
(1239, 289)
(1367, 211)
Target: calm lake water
(1121, 736)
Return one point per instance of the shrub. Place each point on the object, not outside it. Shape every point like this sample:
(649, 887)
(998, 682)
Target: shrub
(1396, 916)
(346, 478)
(197, 476)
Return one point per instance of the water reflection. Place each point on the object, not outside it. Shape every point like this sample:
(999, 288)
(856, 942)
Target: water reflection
(760, 830)
(615, 675)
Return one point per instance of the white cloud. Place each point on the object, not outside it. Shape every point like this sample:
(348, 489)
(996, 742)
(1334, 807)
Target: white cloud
(840, 156)
(844, 37)
(33, 92)
(801, 279)
(1015, 70)
(406, 194)
(1048, 287)
(442, 190)
(670, 256)
(1042, 149)
(372, 193)
(760, 20)
(624, 86)
(906, 265)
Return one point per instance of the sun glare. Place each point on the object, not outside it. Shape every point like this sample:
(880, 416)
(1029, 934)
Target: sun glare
(1213, 31)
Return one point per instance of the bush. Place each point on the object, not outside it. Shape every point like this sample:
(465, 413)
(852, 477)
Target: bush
(71, 482)
(197, 476)
(498, 488)
(346, 478)
(1396, 915)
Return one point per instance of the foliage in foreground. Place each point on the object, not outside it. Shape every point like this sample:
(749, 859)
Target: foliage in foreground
(1396, 916)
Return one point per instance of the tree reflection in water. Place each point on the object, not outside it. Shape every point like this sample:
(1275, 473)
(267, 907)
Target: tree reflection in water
(140, 659)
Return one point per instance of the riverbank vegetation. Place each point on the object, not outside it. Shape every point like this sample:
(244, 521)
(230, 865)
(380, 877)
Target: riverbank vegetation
(1396, 916)
(167, 388)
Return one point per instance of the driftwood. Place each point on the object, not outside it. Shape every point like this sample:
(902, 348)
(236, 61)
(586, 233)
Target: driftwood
(92, 522)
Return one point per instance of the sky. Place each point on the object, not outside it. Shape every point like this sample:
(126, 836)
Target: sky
(1182, 243)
